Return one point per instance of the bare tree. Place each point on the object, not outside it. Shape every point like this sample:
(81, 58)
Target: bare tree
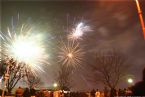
(64, 77)
(109, 68)
(31, 79)
(2, 68)
(16, 72)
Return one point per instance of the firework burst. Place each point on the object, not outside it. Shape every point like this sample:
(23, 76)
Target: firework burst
(79, 31)
(24, 46)
(70, 54)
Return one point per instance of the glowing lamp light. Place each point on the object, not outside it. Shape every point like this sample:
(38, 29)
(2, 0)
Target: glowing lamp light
(55, 85)
(130, 80)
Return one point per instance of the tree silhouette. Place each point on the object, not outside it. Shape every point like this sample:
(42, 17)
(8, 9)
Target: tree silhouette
(16, 73)
(109, 68)
(31, 79)
(64, 77)
(2, 68)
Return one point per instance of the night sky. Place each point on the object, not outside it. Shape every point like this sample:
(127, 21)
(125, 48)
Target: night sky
(115, 24)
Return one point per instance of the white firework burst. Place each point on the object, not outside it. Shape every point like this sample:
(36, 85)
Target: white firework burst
(23, 45)
(79, 31)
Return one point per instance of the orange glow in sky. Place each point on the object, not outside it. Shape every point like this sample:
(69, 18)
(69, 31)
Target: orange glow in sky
(141, 17)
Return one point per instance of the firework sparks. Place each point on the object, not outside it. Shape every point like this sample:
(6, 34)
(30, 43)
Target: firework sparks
(24, 46)
(70, 53)
(79, 30)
